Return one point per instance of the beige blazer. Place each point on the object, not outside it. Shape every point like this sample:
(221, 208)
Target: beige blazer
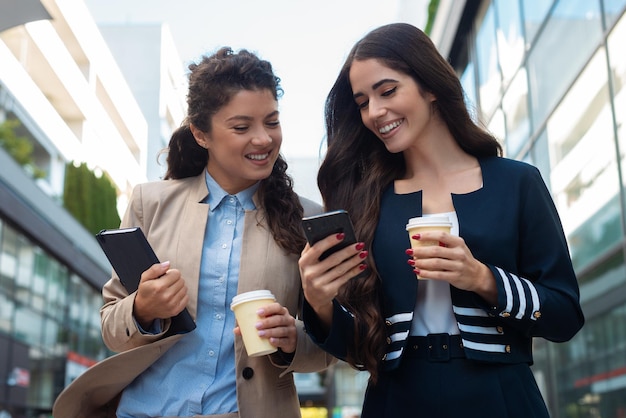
(173, 217)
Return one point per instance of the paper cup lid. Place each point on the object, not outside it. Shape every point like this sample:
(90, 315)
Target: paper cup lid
(429, 221)
(253, 295)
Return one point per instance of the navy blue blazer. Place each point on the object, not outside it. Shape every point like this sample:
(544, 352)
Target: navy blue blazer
(510, 224)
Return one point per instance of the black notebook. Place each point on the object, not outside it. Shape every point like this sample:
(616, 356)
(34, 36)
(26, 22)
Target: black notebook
(130, 254)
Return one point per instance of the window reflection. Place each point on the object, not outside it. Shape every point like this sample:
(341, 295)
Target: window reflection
(535, 12)
(596, 351)
(616, 41)
(509, 38)
(40, 278)
(515, 106)
(8, 255)
(28, 325)
(7, 309)
(487, 65)
(57, 296)
(584, 174)
(613, 9)
(37, 295)
(496, 125)
(568, 39)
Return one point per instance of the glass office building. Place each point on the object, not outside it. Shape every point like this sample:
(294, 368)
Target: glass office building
(51, 272)
(549, 77)
(48, 320)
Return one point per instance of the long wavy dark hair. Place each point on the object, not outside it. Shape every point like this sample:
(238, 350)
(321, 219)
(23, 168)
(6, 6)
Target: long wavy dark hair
(212, 84)
(357, 166)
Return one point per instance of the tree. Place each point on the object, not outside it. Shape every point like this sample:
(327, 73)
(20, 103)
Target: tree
(91, 199)
(19, 147)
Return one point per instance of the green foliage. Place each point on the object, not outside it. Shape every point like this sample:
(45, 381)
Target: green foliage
(432, 12)
(92, 200)
(19, 147)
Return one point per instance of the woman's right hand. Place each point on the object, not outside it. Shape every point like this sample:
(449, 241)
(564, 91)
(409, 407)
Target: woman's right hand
(321, 280)
(162, 293)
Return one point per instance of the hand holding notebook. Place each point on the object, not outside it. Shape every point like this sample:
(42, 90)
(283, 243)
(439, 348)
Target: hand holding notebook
(130, 254)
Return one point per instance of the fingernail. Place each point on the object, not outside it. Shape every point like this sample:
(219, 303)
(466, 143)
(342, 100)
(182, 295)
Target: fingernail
(416, 236)
(362, 267)
(441, 244)
(258, 325)
(261, 333)
(411, 262)
(260, 312)
(416, 271)
(165, 264)
(409, 251)
(340, 236)
(360, 246)
(363, 254)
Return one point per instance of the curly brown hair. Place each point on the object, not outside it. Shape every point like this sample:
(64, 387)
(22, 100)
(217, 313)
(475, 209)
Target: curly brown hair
(212, 84)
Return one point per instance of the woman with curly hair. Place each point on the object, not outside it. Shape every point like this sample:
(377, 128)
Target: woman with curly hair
(227, 221)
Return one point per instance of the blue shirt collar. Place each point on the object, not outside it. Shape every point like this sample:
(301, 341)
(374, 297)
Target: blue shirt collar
(217, 194)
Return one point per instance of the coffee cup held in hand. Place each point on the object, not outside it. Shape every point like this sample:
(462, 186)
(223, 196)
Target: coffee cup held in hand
(245, 307)
(423, 224)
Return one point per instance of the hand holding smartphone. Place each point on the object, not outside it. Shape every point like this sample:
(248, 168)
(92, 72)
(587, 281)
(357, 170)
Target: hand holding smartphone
(320, 226)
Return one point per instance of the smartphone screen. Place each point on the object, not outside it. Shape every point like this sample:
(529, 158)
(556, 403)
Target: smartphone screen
(320, 226)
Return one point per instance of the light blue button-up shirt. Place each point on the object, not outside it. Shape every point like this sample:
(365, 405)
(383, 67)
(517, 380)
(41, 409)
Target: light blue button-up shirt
(197, 375)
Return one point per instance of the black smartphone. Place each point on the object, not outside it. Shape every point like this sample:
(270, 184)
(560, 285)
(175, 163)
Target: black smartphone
(320, 226)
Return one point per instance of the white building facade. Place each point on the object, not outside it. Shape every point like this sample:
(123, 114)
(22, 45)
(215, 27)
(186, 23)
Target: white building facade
(59, 79)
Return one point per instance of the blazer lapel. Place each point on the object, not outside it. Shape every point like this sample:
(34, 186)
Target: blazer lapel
(192, 222)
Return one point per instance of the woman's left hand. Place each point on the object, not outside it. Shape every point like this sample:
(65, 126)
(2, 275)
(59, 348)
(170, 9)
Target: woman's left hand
(277, 325)
(453, 262)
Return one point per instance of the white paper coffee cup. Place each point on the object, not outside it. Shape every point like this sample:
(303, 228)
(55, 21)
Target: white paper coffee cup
(422, 224)
(245, 307)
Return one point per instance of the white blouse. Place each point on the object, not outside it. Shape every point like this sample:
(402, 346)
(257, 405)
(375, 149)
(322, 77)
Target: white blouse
(433, 307)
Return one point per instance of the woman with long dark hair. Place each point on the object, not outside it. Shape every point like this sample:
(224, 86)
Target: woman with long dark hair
(446, 331)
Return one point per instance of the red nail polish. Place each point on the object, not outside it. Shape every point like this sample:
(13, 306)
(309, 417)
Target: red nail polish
(363, 254)
(409, 251)
(411, 262)
(416, 271)
(416, 236)
(360, 246)
(362, 267)
(340, 236)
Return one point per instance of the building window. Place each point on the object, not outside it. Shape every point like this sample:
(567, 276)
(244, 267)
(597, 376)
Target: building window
(613, 10)
(489, 78)
(617, 59)
(515, 107)
(509, 38)
(534, 12)
(567, 41)
(584, 175)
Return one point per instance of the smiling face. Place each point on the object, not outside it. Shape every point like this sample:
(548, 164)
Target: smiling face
(244, 141)
(391, 104)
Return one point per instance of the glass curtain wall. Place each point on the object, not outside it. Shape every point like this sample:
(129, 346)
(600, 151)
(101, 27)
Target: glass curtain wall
(47, 315)
(548, 77)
